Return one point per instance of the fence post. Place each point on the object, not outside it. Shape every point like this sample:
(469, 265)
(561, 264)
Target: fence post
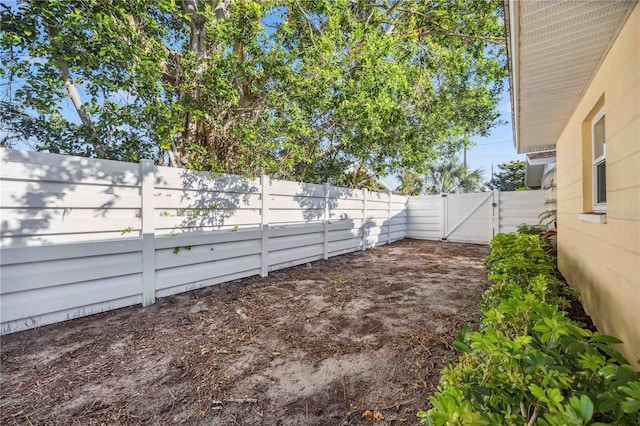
(496, 212)
(326, 221)
(443, 217)
(389, 193)
(264, 226)
(364, 219)
(147, 182)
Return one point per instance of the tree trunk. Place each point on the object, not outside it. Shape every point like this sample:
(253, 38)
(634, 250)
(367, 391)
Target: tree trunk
(72, 92)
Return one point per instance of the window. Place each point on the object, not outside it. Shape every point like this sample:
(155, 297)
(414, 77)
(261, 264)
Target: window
(599, 145)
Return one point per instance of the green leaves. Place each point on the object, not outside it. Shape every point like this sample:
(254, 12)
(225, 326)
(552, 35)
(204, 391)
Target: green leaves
(528, 363)
(552, 397)
(509, 177)
(299, 90)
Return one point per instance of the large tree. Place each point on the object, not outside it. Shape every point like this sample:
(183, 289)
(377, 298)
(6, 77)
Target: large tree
(297, 89)
(509, 177)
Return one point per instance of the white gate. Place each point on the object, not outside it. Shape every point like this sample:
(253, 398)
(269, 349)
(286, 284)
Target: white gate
(473, 217)
(467, 218)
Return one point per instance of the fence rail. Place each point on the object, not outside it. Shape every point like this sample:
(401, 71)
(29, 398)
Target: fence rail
(81, 236)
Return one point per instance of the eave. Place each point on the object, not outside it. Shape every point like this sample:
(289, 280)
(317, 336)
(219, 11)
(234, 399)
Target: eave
(554, 50)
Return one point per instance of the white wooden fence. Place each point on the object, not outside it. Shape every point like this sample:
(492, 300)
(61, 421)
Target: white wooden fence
(81, 236)
(473, 218)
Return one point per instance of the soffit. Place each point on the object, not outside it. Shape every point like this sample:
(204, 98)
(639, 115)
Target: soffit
(555, 49)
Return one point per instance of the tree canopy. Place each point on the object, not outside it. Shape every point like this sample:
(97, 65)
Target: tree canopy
(298, 89)
(509, 177)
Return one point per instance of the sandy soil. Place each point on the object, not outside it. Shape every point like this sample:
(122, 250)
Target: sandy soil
(318, 344)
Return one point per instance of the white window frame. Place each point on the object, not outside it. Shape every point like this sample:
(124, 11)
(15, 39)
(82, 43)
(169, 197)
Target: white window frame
(597, 207)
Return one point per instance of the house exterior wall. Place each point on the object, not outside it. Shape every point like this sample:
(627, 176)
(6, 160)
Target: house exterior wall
(549, 177)
(602, 260)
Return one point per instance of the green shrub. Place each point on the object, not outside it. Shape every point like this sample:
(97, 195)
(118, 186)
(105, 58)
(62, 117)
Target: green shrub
(529, 363)
(523, 228)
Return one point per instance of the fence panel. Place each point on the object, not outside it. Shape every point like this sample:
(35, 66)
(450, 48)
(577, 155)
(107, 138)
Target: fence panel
(162, 231)
(474, 217)
(520, 207)
(399, 225)
(48, 199)
(425, 217)
(45, 284)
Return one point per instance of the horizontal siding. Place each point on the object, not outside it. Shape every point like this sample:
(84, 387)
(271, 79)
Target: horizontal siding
(602, 260)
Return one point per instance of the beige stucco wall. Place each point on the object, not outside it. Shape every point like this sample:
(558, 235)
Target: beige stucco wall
(602, 261)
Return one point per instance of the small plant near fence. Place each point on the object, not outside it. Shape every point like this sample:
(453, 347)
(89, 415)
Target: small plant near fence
(529, 364)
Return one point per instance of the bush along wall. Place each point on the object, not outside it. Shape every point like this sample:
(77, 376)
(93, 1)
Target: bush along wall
(529, 364)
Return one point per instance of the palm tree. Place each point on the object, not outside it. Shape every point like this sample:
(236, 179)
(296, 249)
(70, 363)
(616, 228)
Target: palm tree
(411, 183)
(449, 176)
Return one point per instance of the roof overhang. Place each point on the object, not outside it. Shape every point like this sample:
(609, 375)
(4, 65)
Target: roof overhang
(541, 158)
(536, 166)
(554, 49)
(533, 176)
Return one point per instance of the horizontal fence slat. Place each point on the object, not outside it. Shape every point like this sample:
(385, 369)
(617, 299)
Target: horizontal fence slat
(194, 239)
(172, 219)
(19, 255)
(186, 199)
(73, 171)
(22, 277)
(182, 288)
(189, 255)
(182, 179)
(186, 274)
(284, 230)
(26, 304)
(27, 194)
(295, 189)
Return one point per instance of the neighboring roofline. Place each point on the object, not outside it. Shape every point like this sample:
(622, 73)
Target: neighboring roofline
(533, 175)
(542, 160)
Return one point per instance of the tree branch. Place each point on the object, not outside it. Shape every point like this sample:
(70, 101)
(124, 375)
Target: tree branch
(72, 91)
(445, 32)
(441, 29)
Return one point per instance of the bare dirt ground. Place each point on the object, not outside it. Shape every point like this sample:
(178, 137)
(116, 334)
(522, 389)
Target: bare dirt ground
(318, 344)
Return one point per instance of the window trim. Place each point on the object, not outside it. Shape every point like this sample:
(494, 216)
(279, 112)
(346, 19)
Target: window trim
(595, 162)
